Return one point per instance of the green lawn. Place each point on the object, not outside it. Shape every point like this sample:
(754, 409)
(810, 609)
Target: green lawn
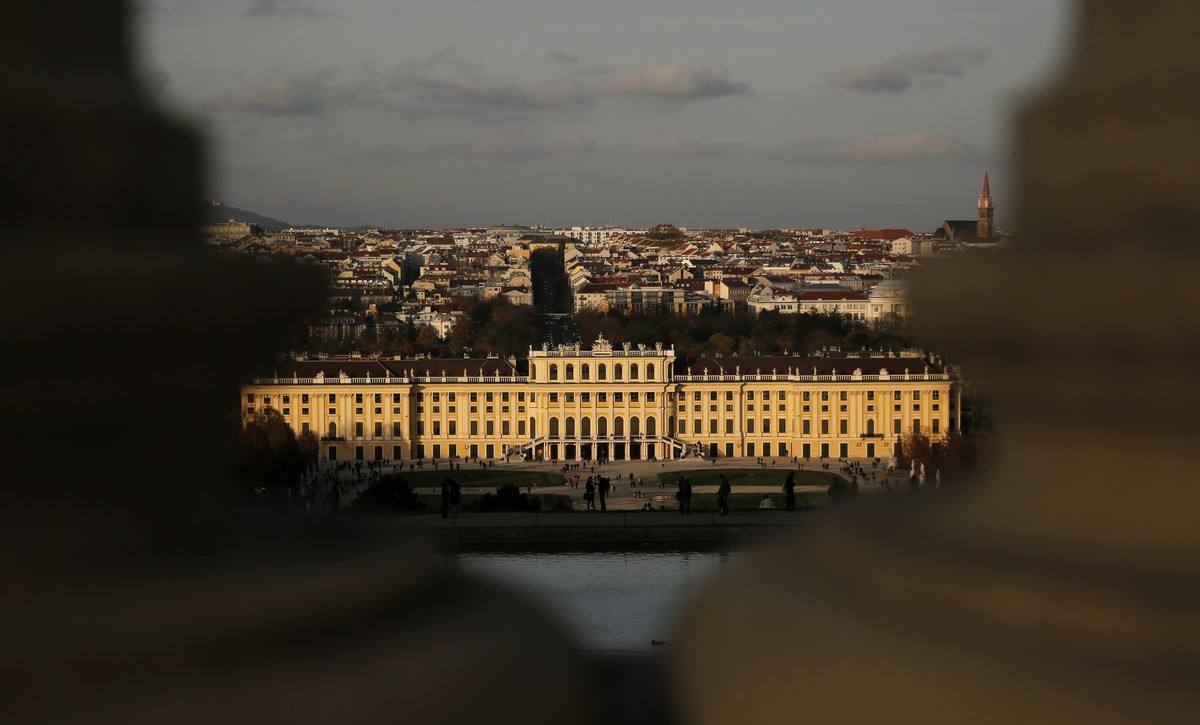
(433, 502)
(482, 477)
(749, 477)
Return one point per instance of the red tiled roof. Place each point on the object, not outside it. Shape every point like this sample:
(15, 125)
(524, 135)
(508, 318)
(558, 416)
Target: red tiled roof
(888, 234)
(454, 367)
(780, 364)
(832, 296)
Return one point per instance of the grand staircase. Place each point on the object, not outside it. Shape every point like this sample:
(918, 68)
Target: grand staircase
(678, 448)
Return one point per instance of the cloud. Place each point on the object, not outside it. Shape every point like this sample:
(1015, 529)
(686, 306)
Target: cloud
(678, 146)
(562, 56)
(524, 146)
(513, 145)
(283, 9)
(299, 95)
(439, 92)
(671, 81)
(916, 146)
(903, 72)
(444, 84)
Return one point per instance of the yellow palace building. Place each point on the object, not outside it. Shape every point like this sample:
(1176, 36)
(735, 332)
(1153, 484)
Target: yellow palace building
(606, 403)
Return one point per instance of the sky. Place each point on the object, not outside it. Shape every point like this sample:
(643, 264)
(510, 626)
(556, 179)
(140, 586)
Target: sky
(757, 113)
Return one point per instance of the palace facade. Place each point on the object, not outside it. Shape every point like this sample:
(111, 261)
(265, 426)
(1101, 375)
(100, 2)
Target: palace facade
(628, 403)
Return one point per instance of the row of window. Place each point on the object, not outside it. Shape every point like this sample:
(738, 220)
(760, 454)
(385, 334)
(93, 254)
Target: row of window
(586, 398)
(474, 397)
(585, 427)
(378, 398)
(618, 424)
(489, 428)
(504, 397)
(585, 371)
(489, 451)
(617, 397)
(805, 427)
(450, 409)
(806, 395)
(765, 427)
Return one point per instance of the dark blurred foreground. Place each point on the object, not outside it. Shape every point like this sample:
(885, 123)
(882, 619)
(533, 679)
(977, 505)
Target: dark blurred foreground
(1063, 590)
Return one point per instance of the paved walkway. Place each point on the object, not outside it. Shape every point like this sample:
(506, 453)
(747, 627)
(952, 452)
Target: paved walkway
(621, 474)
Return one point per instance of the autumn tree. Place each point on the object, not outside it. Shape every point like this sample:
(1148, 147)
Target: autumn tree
(269, 461)
(957, 457)
(427, 340)
(720, 344)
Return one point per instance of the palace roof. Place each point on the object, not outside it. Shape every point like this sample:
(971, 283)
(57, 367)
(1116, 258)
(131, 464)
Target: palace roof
(781, 364)
(383, 368)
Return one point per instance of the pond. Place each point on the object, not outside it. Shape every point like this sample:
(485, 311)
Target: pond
(611, 602)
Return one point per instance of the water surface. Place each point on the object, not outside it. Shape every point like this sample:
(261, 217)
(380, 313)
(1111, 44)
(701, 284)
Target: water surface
(612, 602)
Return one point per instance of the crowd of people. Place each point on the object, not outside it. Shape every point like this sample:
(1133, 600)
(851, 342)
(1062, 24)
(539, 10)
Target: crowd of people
(326, 486)
(336, 479)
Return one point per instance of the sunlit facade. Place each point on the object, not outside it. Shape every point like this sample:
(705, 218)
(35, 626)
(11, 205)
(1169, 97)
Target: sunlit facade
(606, 403)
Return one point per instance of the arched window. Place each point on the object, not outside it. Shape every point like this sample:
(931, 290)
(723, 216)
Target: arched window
(635, 426)
(532, 371)
(585, 372)
(585, 427)
(570, 372)
(616, 372)
(602, 373)
(554, 427)
(570, 427)
(650, 371)
(602, 427)
(332, 429)
(871, 427)
(633, 372)
(533, 427)
(618, 426)
(651, 427)
(554, 372)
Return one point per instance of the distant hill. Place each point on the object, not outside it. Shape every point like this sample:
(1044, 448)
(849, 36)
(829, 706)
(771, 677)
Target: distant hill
(215, 212)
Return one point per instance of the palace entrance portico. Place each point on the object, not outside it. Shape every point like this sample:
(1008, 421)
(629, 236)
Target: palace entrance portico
(602, 404)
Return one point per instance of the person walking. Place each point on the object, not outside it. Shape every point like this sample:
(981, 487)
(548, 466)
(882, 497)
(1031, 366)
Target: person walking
(789, 492)
(604, 488)
(446, 497)
(589, 494)
(723, 492)
(685, 496)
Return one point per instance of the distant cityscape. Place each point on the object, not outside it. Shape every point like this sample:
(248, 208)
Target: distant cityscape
(387, 283)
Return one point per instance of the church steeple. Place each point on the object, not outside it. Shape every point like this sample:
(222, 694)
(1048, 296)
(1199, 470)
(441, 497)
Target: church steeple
(987, 211)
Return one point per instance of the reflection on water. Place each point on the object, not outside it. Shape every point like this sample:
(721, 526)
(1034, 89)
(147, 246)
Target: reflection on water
(613, 602)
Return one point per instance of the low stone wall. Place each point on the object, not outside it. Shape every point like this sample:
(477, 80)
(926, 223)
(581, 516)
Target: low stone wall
(707, 530)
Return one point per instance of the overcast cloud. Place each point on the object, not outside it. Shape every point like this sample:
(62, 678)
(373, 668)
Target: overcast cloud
(282, 9)
(766, 113)
(902, 72)
(446, 84)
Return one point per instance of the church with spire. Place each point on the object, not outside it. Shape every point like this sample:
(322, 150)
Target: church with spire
(982, 229)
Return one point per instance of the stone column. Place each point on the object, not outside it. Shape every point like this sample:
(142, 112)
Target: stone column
(1063, 588)
(131, 554)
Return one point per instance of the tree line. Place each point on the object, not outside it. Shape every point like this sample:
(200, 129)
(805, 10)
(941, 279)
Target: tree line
(496, 327)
